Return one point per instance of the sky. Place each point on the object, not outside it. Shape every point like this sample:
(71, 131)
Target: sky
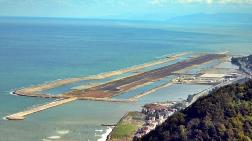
(121, 9)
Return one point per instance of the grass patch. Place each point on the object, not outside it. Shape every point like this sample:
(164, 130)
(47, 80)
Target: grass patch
(127, 126)
(124, 131)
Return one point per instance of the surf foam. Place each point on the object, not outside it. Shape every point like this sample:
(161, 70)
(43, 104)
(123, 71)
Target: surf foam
(54, 137)
(63, 132)
(99, 130)
(104, 136)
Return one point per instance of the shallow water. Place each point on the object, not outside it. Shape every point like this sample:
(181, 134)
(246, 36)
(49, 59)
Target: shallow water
(35, 52)
(174, 92)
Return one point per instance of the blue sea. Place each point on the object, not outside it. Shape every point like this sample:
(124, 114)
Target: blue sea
(38, 50)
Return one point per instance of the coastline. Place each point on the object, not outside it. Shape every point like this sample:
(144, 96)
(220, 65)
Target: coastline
(109, 135)
(127, 126)
(106, 134)
(190, 99)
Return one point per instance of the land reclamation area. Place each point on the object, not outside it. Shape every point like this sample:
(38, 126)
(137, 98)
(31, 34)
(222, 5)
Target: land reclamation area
(107, 90)
(113, 88)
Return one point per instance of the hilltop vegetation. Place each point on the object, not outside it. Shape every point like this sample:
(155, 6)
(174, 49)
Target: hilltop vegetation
(226, 114)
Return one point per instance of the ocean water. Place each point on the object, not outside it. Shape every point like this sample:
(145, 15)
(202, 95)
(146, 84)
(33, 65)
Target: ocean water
(34, 51)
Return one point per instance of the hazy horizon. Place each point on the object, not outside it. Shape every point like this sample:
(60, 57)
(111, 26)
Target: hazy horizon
(150, 10)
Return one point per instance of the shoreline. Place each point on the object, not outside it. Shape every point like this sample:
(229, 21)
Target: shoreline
(106, 134)
(109, 135)
(126, 126)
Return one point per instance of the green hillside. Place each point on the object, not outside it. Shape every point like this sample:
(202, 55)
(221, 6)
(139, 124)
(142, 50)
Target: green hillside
(224, 115)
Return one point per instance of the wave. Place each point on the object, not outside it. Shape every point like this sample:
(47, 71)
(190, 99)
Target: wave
(63, 132)
(4, 118)
(54, 137)
(12, 93)
(99, 130)
(104, 136)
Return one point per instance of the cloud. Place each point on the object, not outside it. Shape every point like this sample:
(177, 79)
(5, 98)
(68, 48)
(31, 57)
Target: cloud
(161, 2)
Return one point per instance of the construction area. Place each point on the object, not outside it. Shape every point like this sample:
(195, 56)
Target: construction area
(107, 90)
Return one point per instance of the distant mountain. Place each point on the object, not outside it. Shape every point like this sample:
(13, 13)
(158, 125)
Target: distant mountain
(225, 115)
(220, 18)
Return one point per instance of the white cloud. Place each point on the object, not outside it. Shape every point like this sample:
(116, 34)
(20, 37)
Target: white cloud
(161, 2)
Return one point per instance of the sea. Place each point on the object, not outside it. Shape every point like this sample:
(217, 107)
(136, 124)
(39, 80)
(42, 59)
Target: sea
(39, 50)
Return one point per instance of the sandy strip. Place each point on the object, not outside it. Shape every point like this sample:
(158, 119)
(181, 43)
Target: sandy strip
(135, 68)
(86, 86)
(21, 115)
(49, 85)
(62, 82)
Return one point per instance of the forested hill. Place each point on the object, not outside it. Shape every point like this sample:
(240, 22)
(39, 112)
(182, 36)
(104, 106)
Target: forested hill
(222, 116)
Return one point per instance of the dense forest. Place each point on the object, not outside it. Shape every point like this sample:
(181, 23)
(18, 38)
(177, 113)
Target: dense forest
(224, 115)
(247, 61)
